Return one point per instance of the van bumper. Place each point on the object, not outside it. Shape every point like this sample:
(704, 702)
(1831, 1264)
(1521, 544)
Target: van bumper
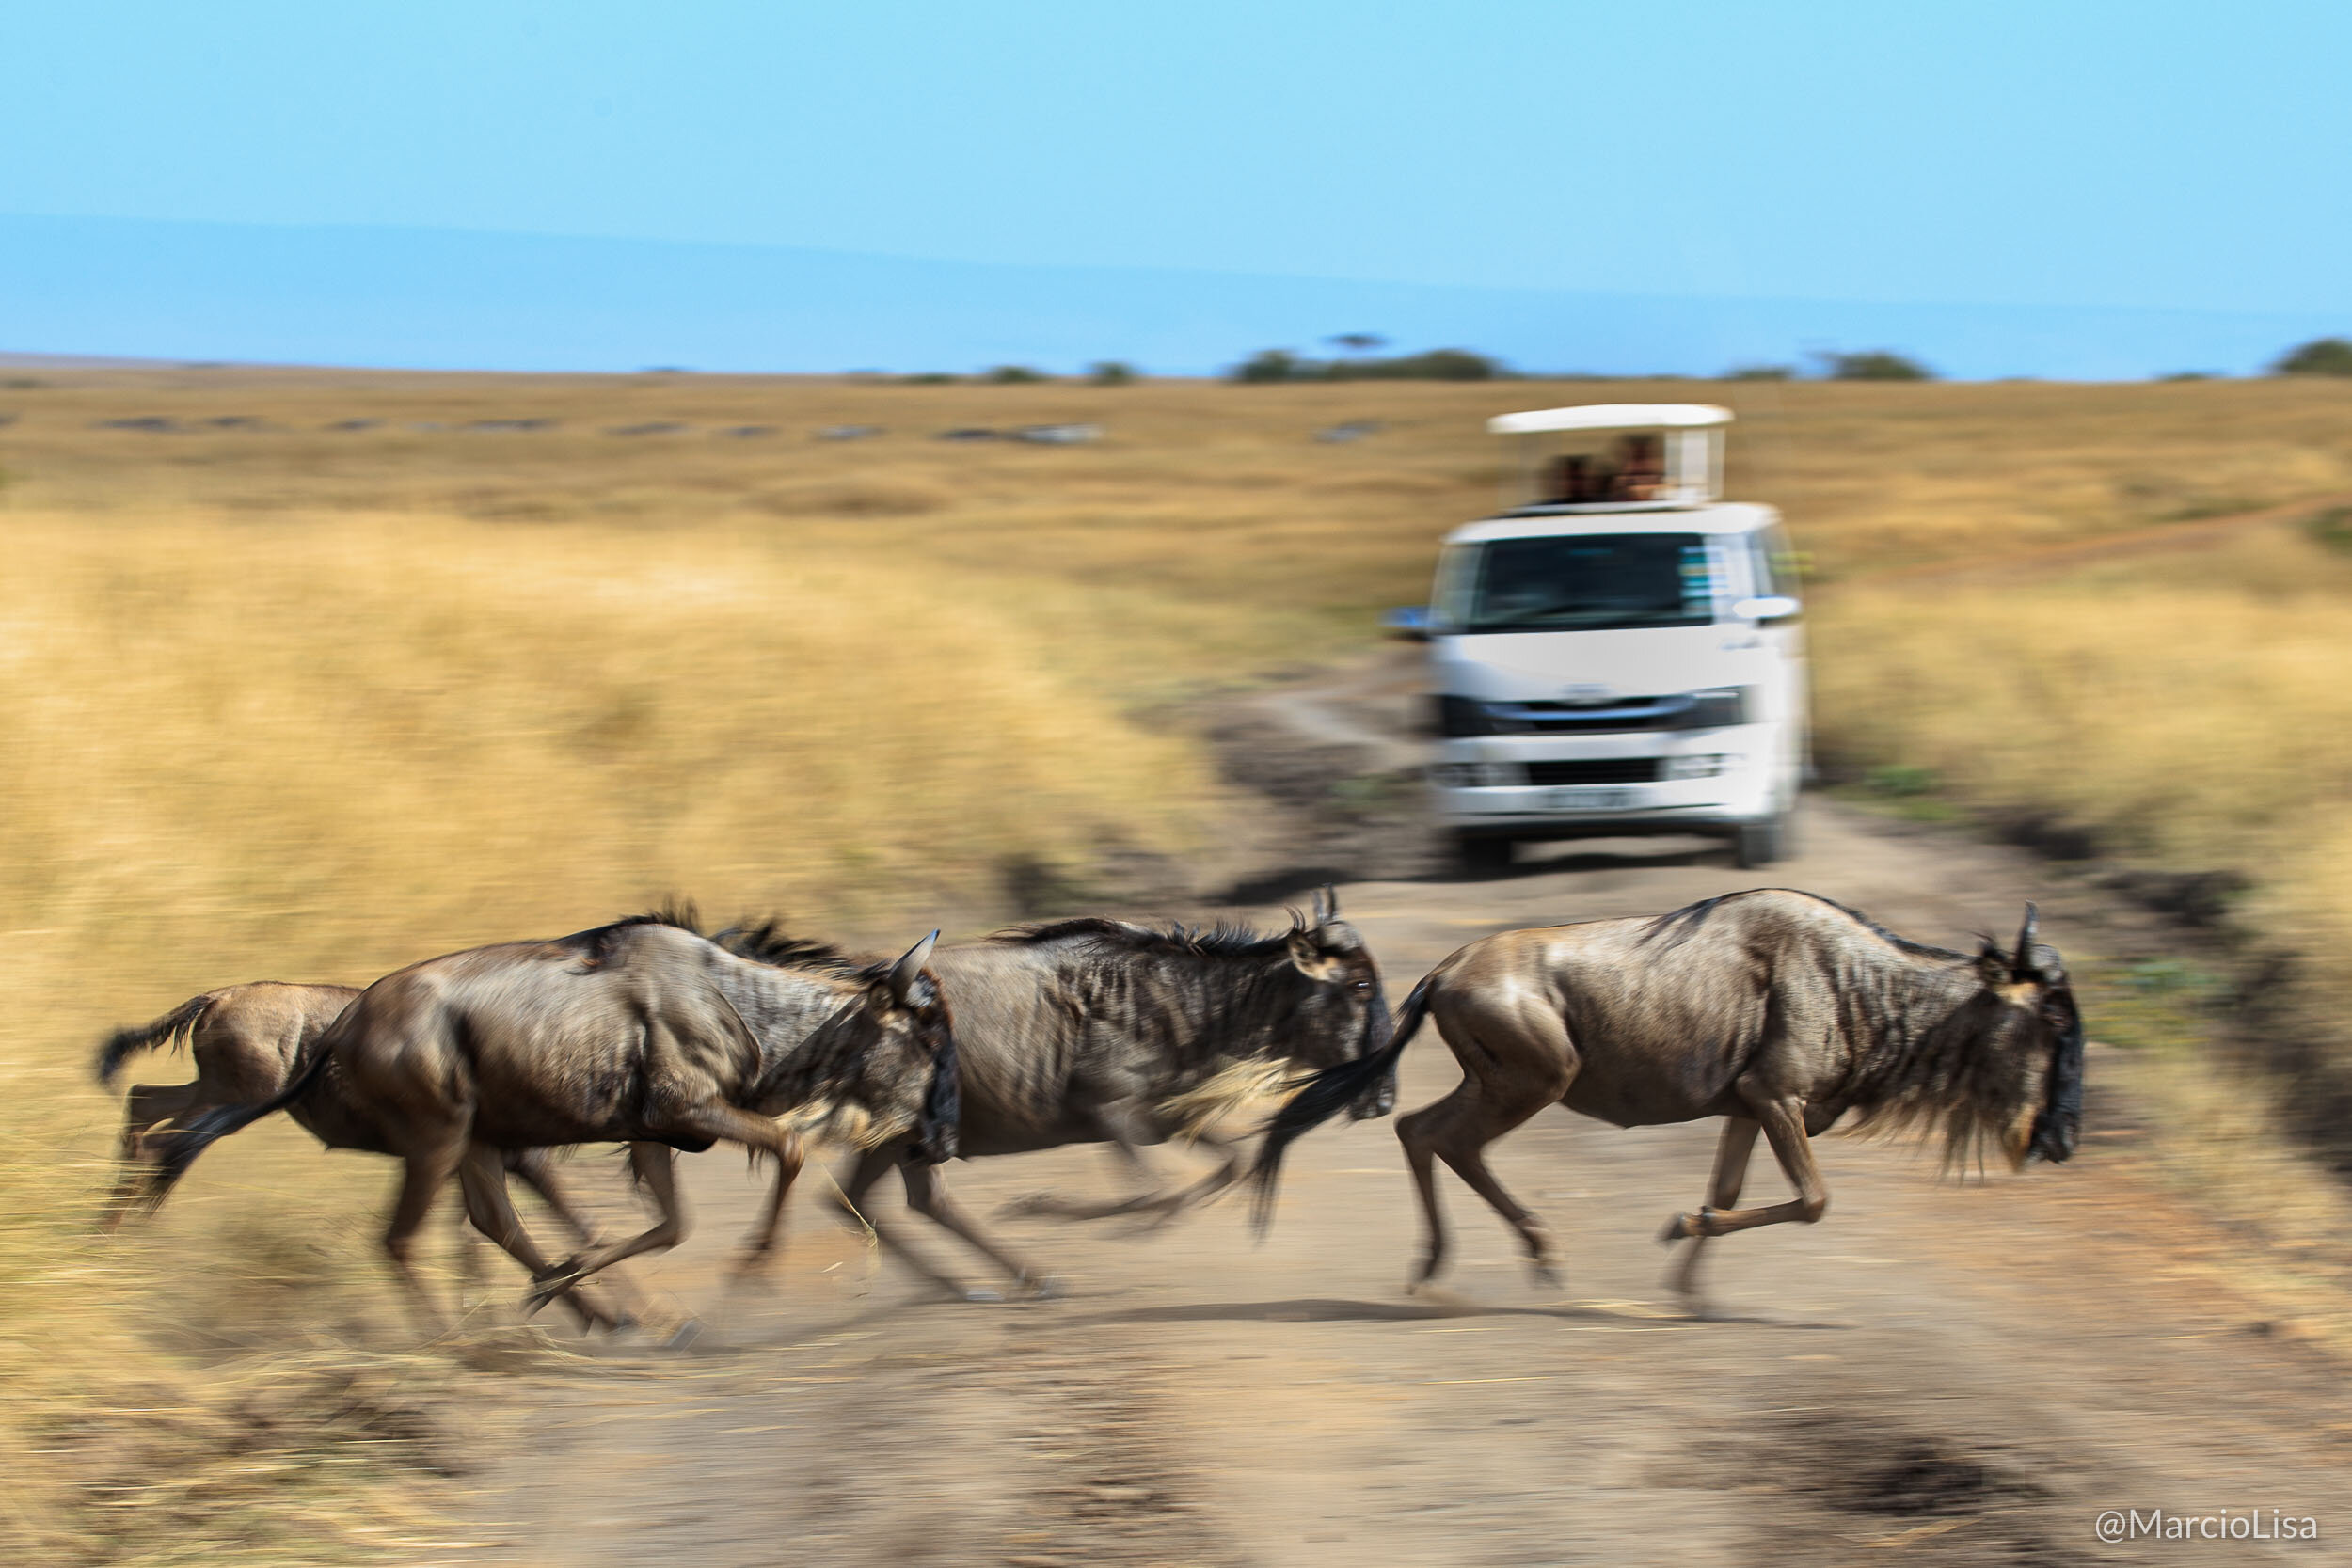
(1759, 783)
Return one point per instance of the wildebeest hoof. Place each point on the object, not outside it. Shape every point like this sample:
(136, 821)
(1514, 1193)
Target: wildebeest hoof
(1044, 1290)
(547, 1285)
(980, 1294)
(1546, 1274)
(749, 1267)
(1680, 1228)
(687, 1333)
(1035, 1203)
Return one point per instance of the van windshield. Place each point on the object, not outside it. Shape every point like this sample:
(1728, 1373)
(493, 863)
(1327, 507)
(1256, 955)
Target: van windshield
(1579, 583)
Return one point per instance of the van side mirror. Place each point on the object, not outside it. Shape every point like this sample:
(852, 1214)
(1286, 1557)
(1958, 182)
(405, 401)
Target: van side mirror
(1766, 609)
(1410, 621)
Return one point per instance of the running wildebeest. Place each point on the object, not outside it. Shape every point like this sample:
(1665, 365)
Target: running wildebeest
(639, 1032)
(1779, 1011)
(247, 1041)
(1097, 1030)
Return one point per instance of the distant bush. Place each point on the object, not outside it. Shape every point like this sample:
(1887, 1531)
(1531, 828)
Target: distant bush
(929, 378)
(1873, 364)
(1013, 375)
(2190, 375)
(1437, 364)
(1112, 373)
(2320, 357)
(1760, 373)
(1270, 365)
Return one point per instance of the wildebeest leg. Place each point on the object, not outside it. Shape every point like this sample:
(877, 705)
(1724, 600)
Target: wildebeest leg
(424, 1172)
(537, 1171)
(1731, 1169)
(537, 1167)
(928, 1196)
(1458, 1130)
(657, 1168)
(762, 1245)
(1784, 1128)
(872, 1165)
(1161, 1200)
(145, 1109)
(481, 1175)
(1116, 1124)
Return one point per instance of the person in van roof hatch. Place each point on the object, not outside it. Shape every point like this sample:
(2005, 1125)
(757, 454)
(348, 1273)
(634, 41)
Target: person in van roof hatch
(1641, 468)
(1570, 483)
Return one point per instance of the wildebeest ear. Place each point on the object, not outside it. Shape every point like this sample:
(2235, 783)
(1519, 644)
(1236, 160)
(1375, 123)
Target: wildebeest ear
(907, 971)
(1993, 965)
(1305, 951)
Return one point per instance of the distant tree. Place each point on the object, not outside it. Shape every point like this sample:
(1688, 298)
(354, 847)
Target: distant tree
(2320, 357)
(930, 378)
(1356, 343)
(1760, 373)
(1270, 365)
(1437, 364)
(1873, 364)
(1013, 375)
(1112, 373)
(2190, 375)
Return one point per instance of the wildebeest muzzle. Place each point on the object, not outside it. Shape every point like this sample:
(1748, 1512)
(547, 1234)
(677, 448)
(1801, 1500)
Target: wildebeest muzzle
(2058, 1126)
(1379, 1098)
(936, 1140)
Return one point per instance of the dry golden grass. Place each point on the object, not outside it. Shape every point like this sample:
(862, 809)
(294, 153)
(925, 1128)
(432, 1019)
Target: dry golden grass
(289, 700)
(2190, 710)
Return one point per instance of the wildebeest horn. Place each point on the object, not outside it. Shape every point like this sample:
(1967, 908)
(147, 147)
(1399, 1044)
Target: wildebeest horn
(908, 970)
(2021, 962)
(1326, 904)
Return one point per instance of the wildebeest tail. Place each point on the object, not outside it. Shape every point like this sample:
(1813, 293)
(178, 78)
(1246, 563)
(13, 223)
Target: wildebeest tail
(173, 1028)
(180, 1148)
(1325, 1095)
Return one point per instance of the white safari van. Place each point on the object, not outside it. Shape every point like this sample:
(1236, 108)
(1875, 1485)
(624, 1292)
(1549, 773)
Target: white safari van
(1619, 652)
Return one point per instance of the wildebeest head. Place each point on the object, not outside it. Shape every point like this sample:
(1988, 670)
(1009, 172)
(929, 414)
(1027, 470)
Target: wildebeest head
(1343, 1013)
(2038, 1057)
(896, 1056)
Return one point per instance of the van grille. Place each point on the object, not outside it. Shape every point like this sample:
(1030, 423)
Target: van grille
(1594, 770)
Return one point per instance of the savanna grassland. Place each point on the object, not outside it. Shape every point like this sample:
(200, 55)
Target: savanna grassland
(286, 700)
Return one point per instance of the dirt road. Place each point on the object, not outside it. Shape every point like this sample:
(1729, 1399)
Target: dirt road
(1934, 1374)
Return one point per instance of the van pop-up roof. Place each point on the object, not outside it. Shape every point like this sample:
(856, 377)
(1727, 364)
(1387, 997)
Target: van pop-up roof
(1614, 458)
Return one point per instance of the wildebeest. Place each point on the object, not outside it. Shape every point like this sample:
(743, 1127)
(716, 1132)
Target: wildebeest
(1097, 1031)
(639, 1032)
(1780, 1010)
(247, 1041)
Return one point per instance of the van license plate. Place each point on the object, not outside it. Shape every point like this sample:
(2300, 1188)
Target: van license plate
(1592, 797)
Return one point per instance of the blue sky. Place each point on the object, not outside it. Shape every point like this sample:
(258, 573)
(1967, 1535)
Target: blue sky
(2157, 156)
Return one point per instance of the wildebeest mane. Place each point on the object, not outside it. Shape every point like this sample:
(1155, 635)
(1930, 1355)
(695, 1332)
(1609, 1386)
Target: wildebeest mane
(1682, 925)
(1224, 940)
(594, 944)
(769, 942)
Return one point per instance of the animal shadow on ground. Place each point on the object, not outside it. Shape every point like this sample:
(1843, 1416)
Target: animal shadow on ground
(1336, 1310)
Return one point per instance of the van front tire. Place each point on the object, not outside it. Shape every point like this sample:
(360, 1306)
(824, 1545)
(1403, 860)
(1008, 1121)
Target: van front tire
(1481, 856)
(1757, 845)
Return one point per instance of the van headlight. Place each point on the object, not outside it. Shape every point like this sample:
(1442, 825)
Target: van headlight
(1721, 705)
(1702, 767)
